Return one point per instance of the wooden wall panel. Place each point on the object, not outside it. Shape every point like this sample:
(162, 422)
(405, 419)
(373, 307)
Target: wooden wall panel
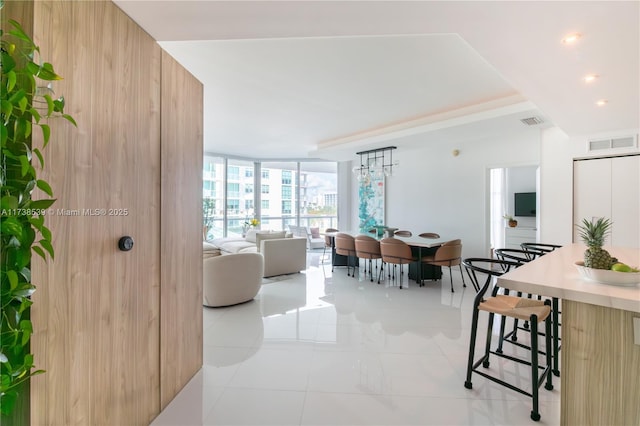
(97, 309)
(181, 223)
(599, 355)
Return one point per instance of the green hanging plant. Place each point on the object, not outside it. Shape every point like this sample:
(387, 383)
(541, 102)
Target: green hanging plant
(26, 102)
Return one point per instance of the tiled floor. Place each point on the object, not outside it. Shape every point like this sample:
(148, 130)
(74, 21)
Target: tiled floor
(321, 348)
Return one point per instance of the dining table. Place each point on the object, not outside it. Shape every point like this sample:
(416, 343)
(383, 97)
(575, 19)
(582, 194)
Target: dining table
(600, 334)
(420, 243)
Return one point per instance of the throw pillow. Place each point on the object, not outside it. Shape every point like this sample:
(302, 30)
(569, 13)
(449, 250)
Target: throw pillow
(315, 232)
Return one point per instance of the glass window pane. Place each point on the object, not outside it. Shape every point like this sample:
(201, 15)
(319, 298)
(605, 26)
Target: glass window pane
(213, 197)
(319, 194)
(281, 188)
(239, 199)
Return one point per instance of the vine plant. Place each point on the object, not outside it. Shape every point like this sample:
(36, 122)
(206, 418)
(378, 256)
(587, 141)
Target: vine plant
(26, 103)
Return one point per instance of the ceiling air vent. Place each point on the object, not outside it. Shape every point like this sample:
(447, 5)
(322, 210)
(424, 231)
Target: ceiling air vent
(612, 143)
(532, 121)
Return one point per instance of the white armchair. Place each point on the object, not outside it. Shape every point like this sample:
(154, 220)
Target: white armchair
(231, 279)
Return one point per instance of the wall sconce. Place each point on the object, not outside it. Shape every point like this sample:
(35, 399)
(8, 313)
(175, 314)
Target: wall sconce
(375, 163)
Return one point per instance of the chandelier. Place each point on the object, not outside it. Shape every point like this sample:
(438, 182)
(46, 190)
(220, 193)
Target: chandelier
(375, 163)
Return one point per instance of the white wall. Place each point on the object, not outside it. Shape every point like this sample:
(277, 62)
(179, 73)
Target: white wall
(433, 191)
(521, 179)
(557, 152)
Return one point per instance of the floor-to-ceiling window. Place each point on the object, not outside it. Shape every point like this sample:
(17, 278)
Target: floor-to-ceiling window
(240, 195)
(213, 207)
(280, 182)
(278, 194)
(319, 195)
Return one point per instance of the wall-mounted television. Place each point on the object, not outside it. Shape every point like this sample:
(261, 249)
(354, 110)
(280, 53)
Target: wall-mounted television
(525, 204)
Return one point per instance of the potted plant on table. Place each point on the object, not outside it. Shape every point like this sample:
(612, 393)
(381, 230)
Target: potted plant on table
(510, 220)
(249, 223)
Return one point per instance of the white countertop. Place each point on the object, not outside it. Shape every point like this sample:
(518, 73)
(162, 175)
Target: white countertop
(555, 275)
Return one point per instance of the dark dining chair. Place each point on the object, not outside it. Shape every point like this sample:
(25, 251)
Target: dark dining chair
(482, 273)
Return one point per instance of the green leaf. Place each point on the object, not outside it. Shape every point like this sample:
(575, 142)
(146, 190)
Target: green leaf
(48, 247)
(39, 252)
(25, 292)
(27, 330)
(49, 104)
(36, 221)
(8, 64)
(59, 104)
(11, 79)
(11, 226)
(8, 399)
(23, 255)
(44, 186)
(38, 154)
(13, 279)
(20, 94)
(27, 130)
(6, 107)
(35, 114)
(8, 202)
(70, 119)
(42, 204)
(24, 163)
(32, 68)
(19, 32)
(46, 133)
(26, 273)
(22, 104)
(45, 72)
(46, 233)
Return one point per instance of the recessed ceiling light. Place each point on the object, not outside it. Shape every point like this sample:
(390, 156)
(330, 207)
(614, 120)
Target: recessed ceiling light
(602, 102)
(571, 38)
(590, 78)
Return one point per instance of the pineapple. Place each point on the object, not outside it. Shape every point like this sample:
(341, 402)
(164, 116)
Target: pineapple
(593, 235)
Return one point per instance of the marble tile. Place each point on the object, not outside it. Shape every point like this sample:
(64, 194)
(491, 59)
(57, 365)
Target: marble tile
(321, 348)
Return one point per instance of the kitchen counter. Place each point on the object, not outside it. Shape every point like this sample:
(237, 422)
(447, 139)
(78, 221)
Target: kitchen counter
(555, 275)
(600, 364)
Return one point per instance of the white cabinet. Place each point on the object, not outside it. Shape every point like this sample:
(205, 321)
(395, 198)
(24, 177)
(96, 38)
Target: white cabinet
(609, 187)
(516, 236)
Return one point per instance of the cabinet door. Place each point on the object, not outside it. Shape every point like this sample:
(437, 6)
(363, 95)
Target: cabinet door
(609, 187)
(625, 201)
(591, 191)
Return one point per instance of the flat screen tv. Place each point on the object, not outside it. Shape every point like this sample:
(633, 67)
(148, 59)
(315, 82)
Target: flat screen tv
(525, 204)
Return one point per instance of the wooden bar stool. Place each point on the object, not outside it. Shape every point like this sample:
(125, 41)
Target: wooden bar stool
(532, 310)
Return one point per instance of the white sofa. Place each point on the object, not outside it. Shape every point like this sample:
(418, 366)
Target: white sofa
(233, 279)
(282, 255)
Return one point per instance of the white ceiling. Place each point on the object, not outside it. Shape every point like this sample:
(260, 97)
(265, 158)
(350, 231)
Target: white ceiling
(298, 79)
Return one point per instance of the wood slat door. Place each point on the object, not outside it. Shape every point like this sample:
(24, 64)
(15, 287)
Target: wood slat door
(97, 309)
